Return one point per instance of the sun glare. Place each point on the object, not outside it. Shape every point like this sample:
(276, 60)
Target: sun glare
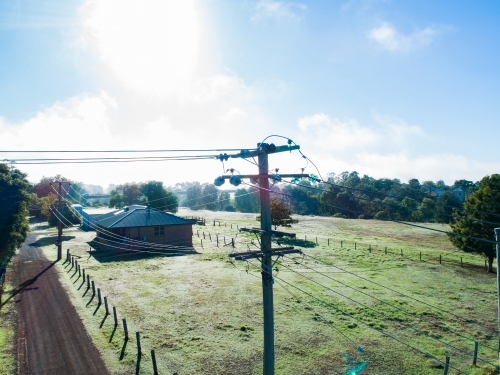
(150, 45)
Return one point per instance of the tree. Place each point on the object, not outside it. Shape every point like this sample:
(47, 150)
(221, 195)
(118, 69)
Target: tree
(223, 201)
(281, 214)
(193, 195)
(156, 196)
(125, 195)
(14, 201)
(481, 205)
(445, 204)
(209, 195)
(246, 200)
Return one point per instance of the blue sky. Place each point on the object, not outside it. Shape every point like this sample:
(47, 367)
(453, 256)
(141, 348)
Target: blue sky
(391, 89)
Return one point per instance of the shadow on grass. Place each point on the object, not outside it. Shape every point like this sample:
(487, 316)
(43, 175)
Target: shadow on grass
(103, 320)
(122, 354)
(91, 299)
(97, 309)
(296, 242)
(113, 333)
(105, 256)
(86, 290)
(52, 240)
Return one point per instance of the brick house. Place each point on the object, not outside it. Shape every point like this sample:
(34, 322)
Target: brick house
(124, 229)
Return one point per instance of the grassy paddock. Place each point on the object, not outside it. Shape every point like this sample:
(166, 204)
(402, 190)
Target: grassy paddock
(203, 314)
(7, 331)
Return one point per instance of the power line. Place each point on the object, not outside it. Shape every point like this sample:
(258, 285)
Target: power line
(130, 151)
(429, 355)
(467, 320)
(399, 308)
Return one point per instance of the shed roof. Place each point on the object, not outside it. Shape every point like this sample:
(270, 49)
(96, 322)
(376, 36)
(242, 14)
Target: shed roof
(142, 217)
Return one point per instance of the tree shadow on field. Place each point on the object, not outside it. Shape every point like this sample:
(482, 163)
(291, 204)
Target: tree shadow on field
(52, 240)
(296, 242)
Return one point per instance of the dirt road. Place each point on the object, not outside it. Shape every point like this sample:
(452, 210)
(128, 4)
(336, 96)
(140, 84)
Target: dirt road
(51, 339)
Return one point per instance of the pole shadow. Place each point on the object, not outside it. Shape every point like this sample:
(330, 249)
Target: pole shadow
(80, 287)
(113, 333)
(103, 320)
(24, 286)
(86, 291)
(91, 299)
(97, 308)
(122, 354)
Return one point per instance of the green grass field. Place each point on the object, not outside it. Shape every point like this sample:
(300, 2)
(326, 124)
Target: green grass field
(203, 314)
(7, 326)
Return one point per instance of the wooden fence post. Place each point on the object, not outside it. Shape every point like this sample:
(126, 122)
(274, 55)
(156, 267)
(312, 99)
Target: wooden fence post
(217, 238)
(83, 274)
(328, 242)
(370, 248)
(461, 262)
(440, 259)
(401, 252)
(474, 358)
(420, 255)
(340, 243)
(210, 236)
(446, 365)
(139, 348)
(106, 305)
(386, 250)
(232, 242)
(125, 329)
(201, 241)
(153, 359)
(355, 246)
(93, 288)
(99, 301)
(79, 272)
(114, 315)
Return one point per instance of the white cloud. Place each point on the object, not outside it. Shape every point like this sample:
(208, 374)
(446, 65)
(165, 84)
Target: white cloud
(279, 10)
(333, 135)
(389, 149)
(389, 38)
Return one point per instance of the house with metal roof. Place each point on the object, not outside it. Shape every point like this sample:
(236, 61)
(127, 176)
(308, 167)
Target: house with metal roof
(131, 227)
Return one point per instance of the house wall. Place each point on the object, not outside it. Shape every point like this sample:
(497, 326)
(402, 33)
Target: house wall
(175, 235)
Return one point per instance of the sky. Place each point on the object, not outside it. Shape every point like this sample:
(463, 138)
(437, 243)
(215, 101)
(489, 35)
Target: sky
(393, 89)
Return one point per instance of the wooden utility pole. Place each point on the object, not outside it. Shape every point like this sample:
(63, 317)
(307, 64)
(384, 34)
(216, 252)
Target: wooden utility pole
(267, 266)
(266, 251)
(59, 227)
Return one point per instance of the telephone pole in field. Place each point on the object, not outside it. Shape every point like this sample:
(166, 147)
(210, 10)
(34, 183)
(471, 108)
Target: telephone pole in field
(59, 227)
(266, 233)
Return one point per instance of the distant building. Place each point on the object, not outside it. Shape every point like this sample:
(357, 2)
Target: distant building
(434, 192)
(88, 215)
(138, 223)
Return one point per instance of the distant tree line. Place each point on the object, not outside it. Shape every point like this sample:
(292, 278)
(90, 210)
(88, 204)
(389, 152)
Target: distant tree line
(350, 195)
(151, 193)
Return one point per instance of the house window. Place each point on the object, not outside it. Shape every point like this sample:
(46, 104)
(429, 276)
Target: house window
(159, 231)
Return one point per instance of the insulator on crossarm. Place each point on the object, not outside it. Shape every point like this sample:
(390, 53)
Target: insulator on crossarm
(235, 180)
(219, 181)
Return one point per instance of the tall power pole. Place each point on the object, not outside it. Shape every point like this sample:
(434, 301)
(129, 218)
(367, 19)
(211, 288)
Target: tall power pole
(266, 251)
(266, 263)
(59, 227)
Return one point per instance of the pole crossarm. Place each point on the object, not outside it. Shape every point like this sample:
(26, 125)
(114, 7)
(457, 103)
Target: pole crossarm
(280, 251)
(274, 233)
(271, 176)
(263, 148)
